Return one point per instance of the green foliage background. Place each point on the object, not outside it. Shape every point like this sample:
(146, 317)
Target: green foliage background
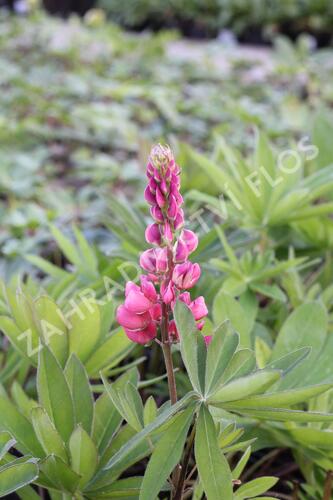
(81, 104)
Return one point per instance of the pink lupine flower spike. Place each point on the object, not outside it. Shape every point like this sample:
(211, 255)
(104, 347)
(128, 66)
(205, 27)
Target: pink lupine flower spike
(149, 306)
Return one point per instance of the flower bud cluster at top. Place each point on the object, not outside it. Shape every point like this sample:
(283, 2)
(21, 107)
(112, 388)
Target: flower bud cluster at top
(166, 263)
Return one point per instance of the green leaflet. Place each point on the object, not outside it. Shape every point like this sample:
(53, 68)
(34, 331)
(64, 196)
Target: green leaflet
(12, 421)
(85, 329)
(282, 398)
(281, 414)
(163, 417)
(59, 474)
(53, 328)
(219, 354)
(106, 422)
(213, 467)
(84, 456)
(166, 454)
(54, 393)
(192, 346)
(47, 435)
(255, 487)
(226, 307)
(6, 442)
(245, 386)
(305, 327)
(17, 474)
(78, 382)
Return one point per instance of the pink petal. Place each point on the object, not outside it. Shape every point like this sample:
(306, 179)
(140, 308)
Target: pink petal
(130, 320)
(149, 196)
(148, 260)
(164, 187)
(150, 170)
(162, 260)
(157, 213)
(130, 286)
(190, 239)
(142, 336)
(153, 234)
(173, 207)
(167, 292)
(160, 200)
(156, 312)
(185, 297)
(148, 289)
(137, 302)
(167, 232)
(152, 186)
(199, 308)
(181, 251)
(179, 220)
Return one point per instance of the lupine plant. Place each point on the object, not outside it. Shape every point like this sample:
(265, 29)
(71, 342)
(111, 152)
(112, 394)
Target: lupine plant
(167, 265)
(73, 444)
(223, 375)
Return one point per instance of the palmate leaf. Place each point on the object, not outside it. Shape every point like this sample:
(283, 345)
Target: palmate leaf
(88, 255)
(272, 291)
(24, 341)
(241, 389)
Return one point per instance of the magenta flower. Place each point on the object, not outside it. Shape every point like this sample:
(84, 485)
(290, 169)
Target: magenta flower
(167, 263)
(140, 312)
(186, 275)
(197, 306)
